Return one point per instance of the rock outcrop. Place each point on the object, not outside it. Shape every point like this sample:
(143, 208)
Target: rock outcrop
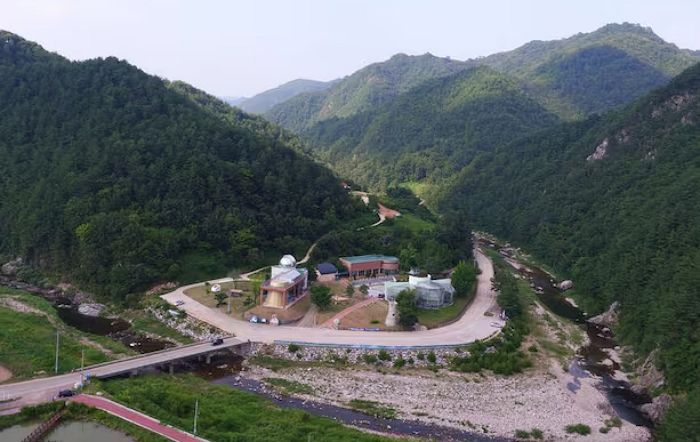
(12, 267)
(566, 285)
(607, 318)
(600, 151)
(93, 310)
(657, 408)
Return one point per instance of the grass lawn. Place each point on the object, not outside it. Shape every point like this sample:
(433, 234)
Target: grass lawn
(28, 339)
(225, 413)
(436, 318)
(332, 310)
(369, 316)
(199, 294)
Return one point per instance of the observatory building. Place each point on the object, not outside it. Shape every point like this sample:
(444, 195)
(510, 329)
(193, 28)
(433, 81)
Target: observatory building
(430, 293)
(287, 284)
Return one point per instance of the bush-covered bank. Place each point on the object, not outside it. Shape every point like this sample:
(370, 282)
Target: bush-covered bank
(224, 413)
(611, 203)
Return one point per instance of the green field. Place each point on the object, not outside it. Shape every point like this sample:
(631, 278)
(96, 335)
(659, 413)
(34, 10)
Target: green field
(438, 317)
(226, 414)
(28, 339)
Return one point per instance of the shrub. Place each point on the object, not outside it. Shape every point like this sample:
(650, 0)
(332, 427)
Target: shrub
(522, 434)
(321, 296)
(384, 355)
(420, 355)
(581, 429)
(369, 358)
(536, 433)
(293, 348)
(399, 362)
(431, 357)
(532, 349)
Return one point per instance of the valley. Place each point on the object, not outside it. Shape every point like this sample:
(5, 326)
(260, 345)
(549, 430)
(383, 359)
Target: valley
(504, 247)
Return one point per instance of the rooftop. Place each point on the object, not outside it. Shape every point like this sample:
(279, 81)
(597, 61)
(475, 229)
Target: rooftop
(326, 268)
(368, 258)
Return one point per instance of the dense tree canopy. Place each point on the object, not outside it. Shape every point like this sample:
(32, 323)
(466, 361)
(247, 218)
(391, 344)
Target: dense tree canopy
(113, 176)
(624, 226)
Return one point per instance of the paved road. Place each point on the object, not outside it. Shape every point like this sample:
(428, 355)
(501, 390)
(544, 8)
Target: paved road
(136, 418)
(471, 326)
(44, 389)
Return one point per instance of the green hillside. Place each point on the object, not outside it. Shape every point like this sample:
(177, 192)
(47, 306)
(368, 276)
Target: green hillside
(572, 77)
(596, 71)
(430, 132)
(265, 101)
(364, 90)
(117, 179)
(613, 203)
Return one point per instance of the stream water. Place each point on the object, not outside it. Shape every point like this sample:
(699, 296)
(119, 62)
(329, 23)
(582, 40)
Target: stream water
(115, 328)
(589, 360)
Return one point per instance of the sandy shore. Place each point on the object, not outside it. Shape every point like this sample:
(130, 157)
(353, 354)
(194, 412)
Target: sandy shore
(498, 405)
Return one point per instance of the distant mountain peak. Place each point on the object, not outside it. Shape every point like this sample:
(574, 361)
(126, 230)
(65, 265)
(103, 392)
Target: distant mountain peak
(16, 49)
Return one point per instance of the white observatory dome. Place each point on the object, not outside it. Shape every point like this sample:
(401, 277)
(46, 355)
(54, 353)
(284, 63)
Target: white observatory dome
(288, 261)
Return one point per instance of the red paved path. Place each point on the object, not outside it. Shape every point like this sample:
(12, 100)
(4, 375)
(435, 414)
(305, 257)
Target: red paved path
(343, 313)
(136, 418)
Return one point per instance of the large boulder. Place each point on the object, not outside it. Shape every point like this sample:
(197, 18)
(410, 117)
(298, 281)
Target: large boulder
(12, 267)
(607, 318)
(657, 408)
(93, 310)
(566, 285)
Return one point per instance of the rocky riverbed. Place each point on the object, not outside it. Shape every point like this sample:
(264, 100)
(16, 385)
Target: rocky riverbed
(492, 405)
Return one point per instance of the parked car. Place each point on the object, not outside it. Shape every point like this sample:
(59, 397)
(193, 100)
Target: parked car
(217, 341)
(179, 302)
(66, 393)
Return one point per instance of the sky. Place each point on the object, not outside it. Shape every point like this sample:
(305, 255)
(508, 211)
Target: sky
(240, 48)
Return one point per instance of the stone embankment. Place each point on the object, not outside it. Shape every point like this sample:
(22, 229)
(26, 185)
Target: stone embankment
(416, 358)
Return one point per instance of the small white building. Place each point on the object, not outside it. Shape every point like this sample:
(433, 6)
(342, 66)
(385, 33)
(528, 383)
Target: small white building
(430, 293)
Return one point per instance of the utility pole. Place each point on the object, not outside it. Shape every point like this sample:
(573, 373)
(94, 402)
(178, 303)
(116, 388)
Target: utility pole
(196, 413)
(82, 366)
(56, 363)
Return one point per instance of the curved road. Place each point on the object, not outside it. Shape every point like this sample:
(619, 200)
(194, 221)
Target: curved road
(471, 326)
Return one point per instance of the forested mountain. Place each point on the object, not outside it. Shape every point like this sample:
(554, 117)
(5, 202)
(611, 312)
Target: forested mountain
(265, 101)
(430, 132)
(593, 72)
(364, 90)
(233, 101)
(614, 203)
(573, 77)
(422, 118)
(117, 178)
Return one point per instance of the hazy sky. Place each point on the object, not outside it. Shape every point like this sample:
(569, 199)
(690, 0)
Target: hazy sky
(244, 47)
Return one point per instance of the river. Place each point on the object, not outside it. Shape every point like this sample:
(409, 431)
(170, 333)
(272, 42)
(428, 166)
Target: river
(590, 357)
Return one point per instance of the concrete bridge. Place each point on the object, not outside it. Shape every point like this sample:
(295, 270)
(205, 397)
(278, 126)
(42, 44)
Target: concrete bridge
(39, 390)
